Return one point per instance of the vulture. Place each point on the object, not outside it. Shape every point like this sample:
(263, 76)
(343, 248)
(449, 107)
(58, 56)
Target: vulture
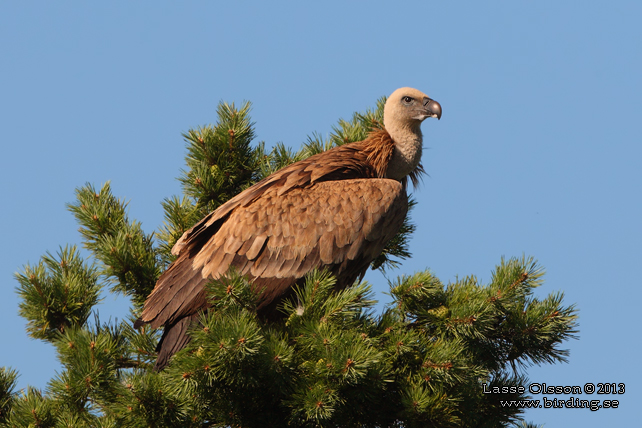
(335, 210)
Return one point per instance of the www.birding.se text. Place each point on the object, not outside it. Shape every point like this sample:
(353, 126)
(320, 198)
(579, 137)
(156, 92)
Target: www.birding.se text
(571, 403)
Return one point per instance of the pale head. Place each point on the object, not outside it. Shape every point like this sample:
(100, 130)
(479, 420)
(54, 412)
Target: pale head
(408, 107)
(403, 113)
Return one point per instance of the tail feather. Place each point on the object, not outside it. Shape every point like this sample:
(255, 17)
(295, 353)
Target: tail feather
(139, 323)
(173, 340)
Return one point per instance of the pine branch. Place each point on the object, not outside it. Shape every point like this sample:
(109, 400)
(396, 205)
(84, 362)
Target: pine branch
(127, 254)
(32, 409)
(57, 294)
(358, 128)
(180, 215)
(277, 159)
(220, 160)
(8, 381)
(231, 359)
(149, 402)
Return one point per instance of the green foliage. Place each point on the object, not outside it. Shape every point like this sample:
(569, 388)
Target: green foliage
(127, 254)
(89, 364)
(151, 402)
(180, 215)
(8, 379)
(57, 293)
(220, 159)
(359, 126)
(279, 157)
(331, 361)
(32, 409)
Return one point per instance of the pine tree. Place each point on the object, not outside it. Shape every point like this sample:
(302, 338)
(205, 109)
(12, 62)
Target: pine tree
(332, 361)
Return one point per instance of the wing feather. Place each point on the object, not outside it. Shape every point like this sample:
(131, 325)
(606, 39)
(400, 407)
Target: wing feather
(327, 248)
(300, 232)
(245, 247)
(257, 247)
(232, 244)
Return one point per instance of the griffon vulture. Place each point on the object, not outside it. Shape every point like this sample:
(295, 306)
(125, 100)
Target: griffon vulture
(334, 210)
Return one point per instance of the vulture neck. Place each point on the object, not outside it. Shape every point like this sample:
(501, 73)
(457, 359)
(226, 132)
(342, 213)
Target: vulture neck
(407, 153)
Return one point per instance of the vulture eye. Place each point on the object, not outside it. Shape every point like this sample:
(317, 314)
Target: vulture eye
(407, 100)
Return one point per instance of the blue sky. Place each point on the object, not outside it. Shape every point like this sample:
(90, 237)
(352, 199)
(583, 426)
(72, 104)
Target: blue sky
(538, 150)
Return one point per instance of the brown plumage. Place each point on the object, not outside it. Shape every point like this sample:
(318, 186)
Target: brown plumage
(335, 210)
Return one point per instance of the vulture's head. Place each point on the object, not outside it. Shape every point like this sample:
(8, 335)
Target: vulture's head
(403, 113)
(408, 107)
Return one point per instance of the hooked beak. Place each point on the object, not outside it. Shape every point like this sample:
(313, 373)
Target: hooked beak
(432, 108)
